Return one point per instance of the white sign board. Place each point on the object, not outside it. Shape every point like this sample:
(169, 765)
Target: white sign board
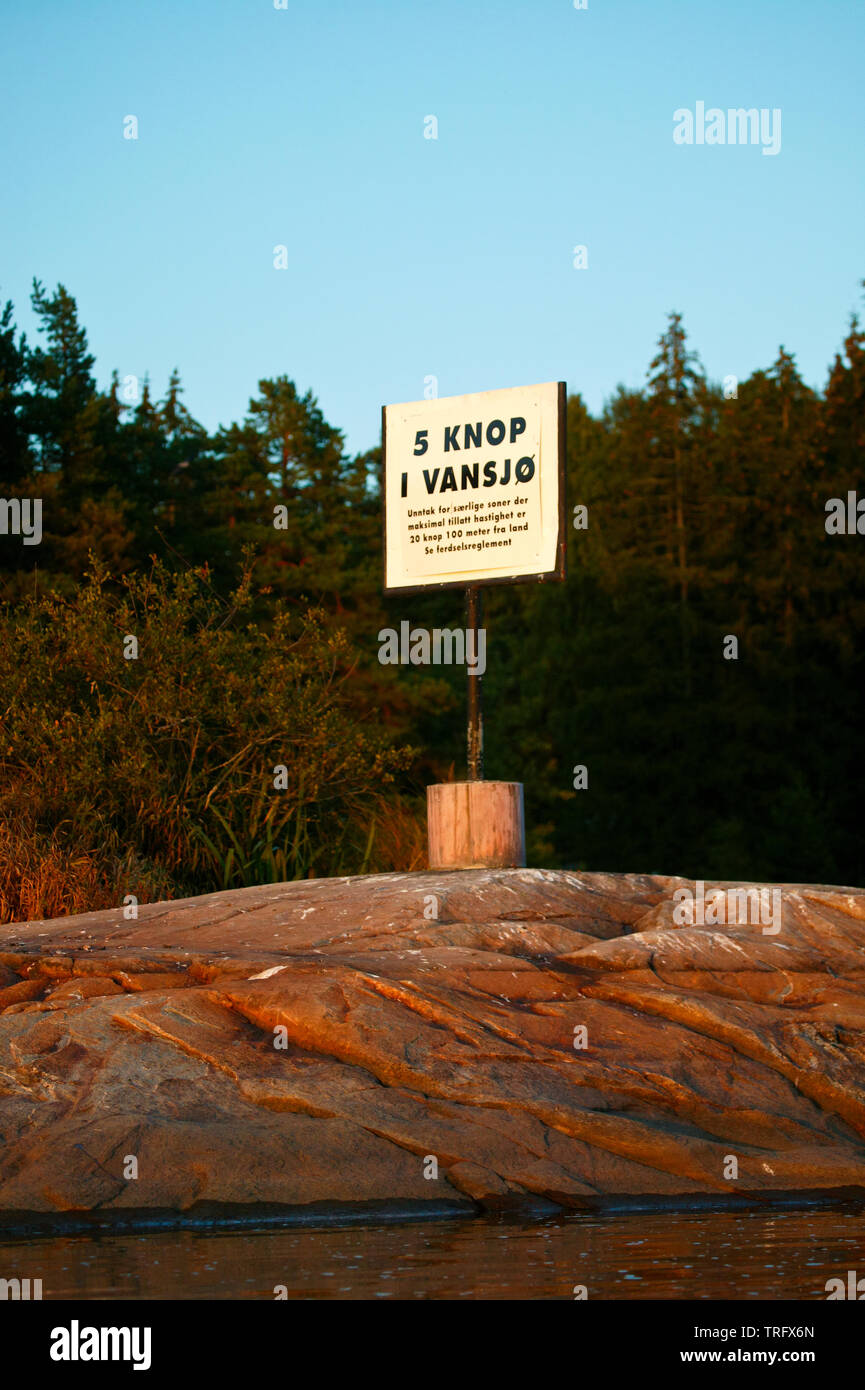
(474, 488)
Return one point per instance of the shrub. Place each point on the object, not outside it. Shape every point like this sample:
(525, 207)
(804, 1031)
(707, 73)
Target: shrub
(155, 775)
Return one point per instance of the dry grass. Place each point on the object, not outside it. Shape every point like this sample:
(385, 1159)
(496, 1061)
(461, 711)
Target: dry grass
(42, 875)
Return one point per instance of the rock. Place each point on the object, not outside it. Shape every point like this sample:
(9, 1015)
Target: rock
(82, 987)
(313, 1046)
(21, 991)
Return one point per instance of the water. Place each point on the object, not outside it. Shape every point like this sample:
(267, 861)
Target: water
(699, 1255)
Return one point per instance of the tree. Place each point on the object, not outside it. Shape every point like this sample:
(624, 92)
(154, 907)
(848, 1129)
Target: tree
(672, 382)
(16, 459)
(62, 387)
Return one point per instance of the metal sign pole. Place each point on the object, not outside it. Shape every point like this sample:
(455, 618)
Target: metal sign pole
(475, 731)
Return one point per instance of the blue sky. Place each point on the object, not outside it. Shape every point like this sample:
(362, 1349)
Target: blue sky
(407, 256)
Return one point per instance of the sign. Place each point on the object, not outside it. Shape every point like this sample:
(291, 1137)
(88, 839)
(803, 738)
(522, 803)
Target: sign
(474, 489)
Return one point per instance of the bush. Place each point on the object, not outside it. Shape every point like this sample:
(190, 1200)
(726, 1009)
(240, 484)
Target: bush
(156, 774)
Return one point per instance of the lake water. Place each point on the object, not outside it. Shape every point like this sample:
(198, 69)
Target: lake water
(702, 1255)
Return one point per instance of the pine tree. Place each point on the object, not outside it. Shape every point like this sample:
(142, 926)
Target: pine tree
(672, 380)
(62, 387)
(16, 460)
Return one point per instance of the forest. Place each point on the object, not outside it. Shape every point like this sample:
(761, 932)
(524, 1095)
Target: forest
(190, 690)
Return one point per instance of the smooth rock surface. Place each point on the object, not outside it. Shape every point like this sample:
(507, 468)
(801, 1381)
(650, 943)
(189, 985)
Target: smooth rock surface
(430, 1016)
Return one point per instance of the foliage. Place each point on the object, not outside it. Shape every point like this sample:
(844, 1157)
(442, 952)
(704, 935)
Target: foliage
(164, 767)
(706, 520)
